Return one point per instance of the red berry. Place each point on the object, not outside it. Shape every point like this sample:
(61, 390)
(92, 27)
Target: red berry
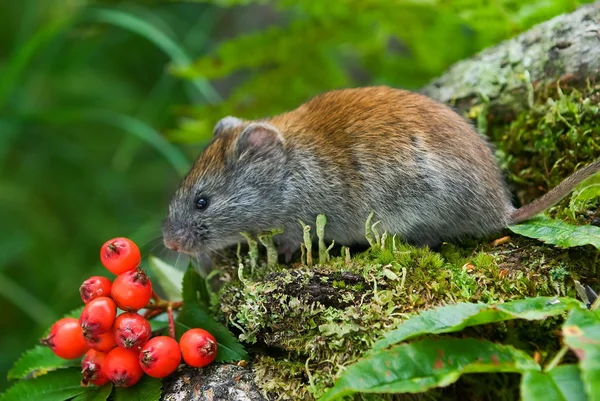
(66, 339)
(101, 342)
(160, 357)
(131, 330)
(98, 316)
(119, 255)
(94, 287)
(132, 290)
(198, 347)
(91, 368)
(121, 366)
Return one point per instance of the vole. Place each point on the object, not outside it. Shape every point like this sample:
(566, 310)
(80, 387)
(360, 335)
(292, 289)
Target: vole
(427, 175)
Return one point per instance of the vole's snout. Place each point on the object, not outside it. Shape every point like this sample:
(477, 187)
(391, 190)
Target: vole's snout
(172, 237)
(171, 244)
(184, 236)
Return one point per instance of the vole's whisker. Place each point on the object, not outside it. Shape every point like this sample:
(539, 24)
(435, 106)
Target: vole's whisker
(159, 243)
(178, 255)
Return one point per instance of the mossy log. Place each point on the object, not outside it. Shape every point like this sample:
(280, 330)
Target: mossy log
(302, 324)
(565, 49)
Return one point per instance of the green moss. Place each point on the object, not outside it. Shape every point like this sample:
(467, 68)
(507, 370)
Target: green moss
(559, 273)
(326, 316)
(286, 378)
(546, 143)
(316, 320)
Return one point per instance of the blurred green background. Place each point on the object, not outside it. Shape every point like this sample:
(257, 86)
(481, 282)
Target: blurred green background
(104, 103)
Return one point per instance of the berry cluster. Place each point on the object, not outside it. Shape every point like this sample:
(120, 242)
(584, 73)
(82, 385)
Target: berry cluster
(118, 347)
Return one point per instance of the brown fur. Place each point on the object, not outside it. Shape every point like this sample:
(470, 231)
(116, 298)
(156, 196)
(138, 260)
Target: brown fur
(324, 123)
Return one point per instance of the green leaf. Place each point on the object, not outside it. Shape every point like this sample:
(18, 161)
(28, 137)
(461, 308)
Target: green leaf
(195, 288)
(589, 191)
(562, 383)
(422, 365)
(147, 389)
(451, 318)
(38, 361)
(95, 393)
(169, 278)
(194, 313)
(557, 232)
(581, 332)
(55, 386)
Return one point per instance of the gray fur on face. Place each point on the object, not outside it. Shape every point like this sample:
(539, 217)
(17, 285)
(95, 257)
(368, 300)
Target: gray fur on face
(253, 176)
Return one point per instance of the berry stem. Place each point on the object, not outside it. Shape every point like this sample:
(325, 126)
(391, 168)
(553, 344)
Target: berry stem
(159, 306)
(171, 321)
(162, 305)
(152, 313)
(47, 341)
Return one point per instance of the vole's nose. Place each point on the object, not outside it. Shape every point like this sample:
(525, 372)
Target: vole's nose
(172, 245)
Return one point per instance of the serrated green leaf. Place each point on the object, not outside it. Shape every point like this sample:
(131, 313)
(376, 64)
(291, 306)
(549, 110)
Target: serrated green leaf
(38, 361)
(59, 385)
(559, 233)
(422, 365)
(95, 393)
(195, 288)
(451, 318)
(147, 389)
(562, 383)
(168, 277)
(581, 332)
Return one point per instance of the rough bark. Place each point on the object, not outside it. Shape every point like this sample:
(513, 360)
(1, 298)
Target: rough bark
(565, 48)
(217, 382)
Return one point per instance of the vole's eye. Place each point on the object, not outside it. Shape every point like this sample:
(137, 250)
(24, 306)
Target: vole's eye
(201, 203)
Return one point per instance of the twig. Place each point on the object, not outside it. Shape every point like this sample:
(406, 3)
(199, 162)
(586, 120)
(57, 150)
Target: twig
(171, 321)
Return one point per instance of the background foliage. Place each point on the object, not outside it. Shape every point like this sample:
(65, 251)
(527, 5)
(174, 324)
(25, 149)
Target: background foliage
(87, 99)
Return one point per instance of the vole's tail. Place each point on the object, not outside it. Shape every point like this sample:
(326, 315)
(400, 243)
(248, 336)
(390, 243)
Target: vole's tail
(555, 195)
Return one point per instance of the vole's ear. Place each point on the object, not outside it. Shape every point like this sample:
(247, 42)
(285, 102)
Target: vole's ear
(226, 123)
(260, 139)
